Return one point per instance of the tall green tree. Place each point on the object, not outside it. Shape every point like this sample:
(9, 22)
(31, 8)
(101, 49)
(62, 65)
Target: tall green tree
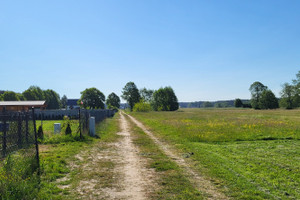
(146, 94)
(238, 103)
(164, 99)
(10, 96)
(296, 95)
(256, 89)
(131, 94)
(113, 101)
(34, 93)
(92, 98)
(64, 101)
(288, 93)
(52, 99)
(268, 100)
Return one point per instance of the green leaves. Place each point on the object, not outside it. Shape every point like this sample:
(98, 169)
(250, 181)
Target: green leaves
(113, 101)
(165, 99)
(92, 98)
(131, 94)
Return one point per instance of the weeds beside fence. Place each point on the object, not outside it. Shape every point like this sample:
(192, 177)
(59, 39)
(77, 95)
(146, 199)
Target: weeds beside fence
(19, 166)
(19, 173)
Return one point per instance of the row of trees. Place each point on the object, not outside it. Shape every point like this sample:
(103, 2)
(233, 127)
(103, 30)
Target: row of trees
(163, 99)
(261, 98)
(264, 98)
(92, 98)
(34, 93)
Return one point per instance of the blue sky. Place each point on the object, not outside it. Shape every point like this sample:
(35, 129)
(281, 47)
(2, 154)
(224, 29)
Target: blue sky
(205, 50)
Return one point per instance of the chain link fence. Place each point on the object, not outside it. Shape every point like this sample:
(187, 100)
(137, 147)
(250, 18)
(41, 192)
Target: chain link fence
(18, 131)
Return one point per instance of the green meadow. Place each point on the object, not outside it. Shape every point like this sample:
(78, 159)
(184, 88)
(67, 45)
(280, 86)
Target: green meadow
(248, 154)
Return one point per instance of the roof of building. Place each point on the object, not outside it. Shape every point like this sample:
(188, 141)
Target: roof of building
(72, 102)
(23, 103)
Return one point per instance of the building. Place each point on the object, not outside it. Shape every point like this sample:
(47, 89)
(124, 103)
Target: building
(72, 104)
(21, 105)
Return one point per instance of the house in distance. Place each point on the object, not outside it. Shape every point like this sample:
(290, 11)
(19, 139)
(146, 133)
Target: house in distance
(72, 104)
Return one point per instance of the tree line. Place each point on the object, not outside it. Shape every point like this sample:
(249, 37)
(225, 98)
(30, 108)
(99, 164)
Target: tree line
(90, 98)
(263, 98)
(163, 99)
(34, 93)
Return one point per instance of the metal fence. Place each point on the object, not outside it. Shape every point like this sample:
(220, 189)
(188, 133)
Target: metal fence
(18, 131)
(84, 115)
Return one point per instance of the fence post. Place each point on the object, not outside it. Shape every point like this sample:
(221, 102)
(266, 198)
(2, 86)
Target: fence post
(19, 130)
(4, 133)
(86, 119)
(36, 141)
(26, 127)
(79, 116)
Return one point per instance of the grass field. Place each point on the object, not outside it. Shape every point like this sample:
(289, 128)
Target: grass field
(249, 154)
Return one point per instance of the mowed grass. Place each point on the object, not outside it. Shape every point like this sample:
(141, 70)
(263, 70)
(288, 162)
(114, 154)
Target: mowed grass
(249, 154)
(48, 126)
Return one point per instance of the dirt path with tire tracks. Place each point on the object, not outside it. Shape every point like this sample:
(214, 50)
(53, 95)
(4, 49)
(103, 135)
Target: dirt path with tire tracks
(200, 182)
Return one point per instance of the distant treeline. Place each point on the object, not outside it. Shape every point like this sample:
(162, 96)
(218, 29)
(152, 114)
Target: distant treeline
(211, 104)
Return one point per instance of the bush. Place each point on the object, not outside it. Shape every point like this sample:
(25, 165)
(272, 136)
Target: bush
(68, 129)
(40, 133)
(142, 107)
(67, 125)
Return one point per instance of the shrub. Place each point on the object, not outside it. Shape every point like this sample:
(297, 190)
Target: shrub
(40, 133)
(68, 129)
(142, 107)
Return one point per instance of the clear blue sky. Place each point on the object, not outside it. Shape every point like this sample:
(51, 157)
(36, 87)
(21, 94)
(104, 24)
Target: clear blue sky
(205, 50)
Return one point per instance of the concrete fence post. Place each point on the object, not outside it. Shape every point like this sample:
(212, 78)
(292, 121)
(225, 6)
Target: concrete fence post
(92, 129)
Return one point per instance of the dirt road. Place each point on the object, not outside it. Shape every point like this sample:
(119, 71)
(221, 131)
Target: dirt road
(117, 170)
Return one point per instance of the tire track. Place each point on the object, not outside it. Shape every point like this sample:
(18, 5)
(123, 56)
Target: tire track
(201, 183)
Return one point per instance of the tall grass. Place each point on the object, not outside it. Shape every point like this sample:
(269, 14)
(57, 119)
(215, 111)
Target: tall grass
(18, 176)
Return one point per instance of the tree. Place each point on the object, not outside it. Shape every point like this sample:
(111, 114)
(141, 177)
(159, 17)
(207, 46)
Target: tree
(256, 89)
(287, 96)
(52, 99)
(131, 94)
(146, 95)
(21, 97)
(10, 96)
(34, 93)
(165, 99)
(64, 101)
(238, 103)
(113, 101)
(92, 98)
(207, 104)
(268, 100)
